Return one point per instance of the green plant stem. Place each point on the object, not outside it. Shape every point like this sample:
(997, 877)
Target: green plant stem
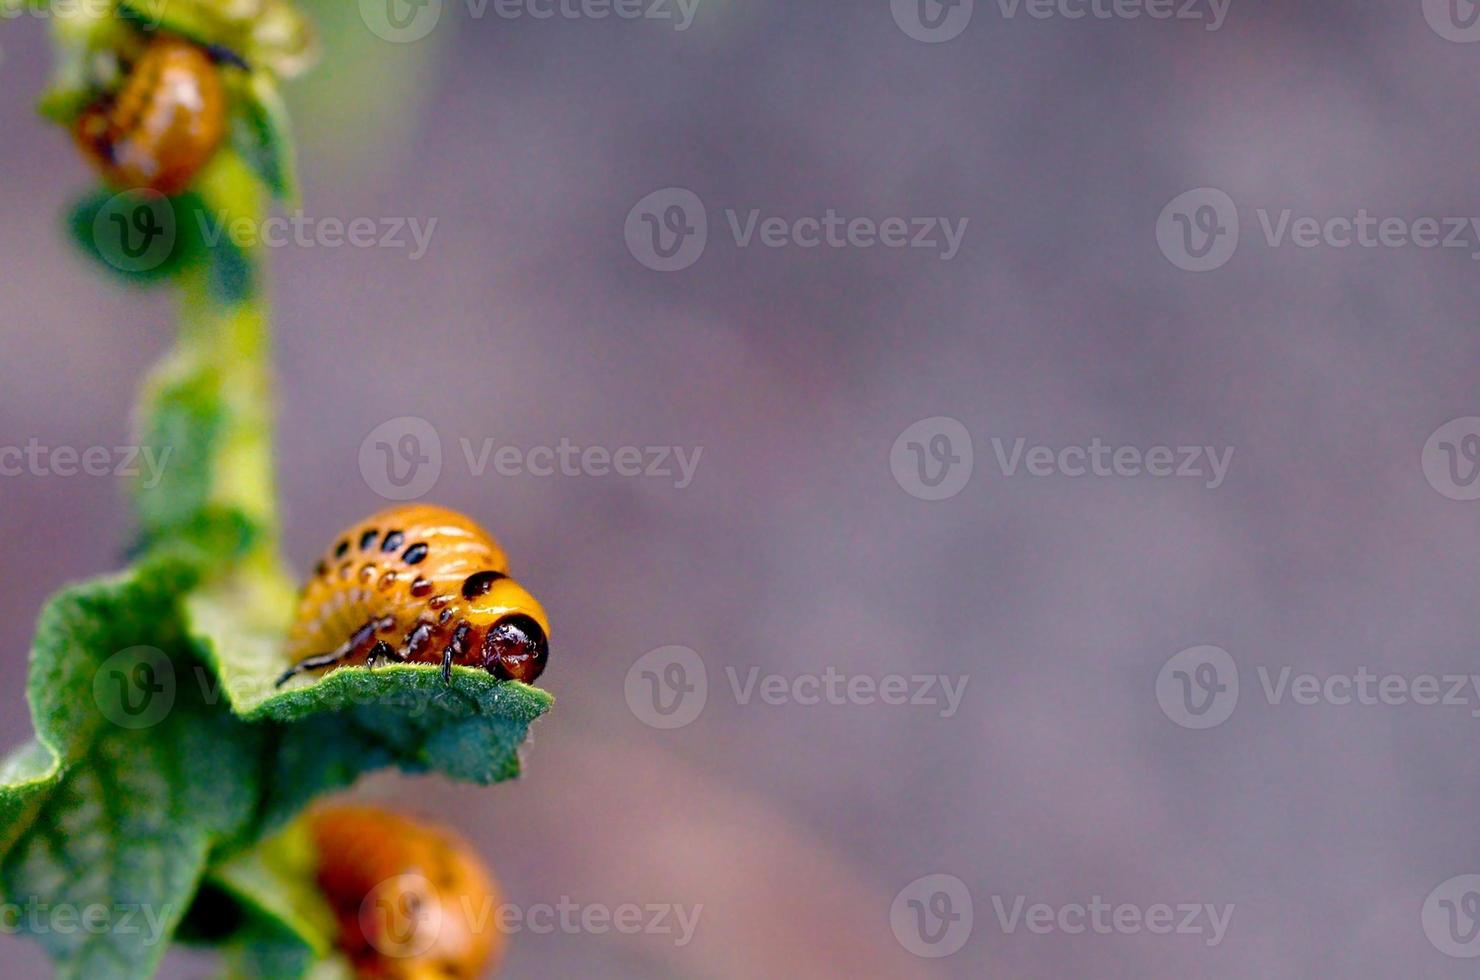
(222, 478)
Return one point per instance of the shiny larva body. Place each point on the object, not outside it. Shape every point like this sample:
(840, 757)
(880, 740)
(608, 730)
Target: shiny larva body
(163, 124)
(418, 584)
(412, 901)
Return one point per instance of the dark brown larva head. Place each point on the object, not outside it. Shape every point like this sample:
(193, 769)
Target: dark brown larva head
(516, 648)
(516, 641)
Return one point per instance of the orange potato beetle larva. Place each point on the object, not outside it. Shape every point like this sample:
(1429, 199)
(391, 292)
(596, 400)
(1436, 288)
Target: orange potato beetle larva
(418, 584)
(411, 901)
(164, 123)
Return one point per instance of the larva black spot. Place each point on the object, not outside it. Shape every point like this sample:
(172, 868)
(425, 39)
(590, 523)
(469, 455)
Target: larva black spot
(342, 549)
(367, 540)
(421, 588)
(480, 583)
(393, 540)
(416, 554)
(321, 569)
(445, 617)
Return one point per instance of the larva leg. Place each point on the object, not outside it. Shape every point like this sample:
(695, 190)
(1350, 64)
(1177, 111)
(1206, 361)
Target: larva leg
(314, 663)
(452, 651)
(383, 651)
(357, 640)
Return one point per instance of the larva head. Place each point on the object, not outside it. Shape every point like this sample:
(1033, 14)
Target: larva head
(512, 625)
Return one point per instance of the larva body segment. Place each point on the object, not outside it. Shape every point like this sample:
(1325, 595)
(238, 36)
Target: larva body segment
(419, 584)
(413, 902)
(163, 125)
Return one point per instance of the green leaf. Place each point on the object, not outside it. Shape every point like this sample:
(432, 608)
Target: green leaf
(353, 720)
(281, 925)
(135, 236)
(261, 135)
(143, 771)
(275, 881)
(147, 780)
(145, 239)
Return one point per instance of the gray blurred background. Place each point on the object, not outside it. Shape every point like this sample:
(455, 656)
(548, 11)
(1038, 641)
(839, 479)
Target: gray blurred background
(795, 548)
